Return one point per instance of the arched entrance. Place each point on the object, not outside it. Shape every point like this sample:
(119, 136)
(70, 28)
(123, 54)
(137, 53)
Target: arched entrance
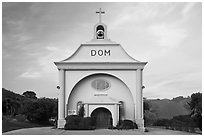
(101, 91)
(102, 118)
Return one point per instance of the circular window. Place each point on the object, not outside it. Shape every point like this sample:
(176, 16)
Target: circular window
(100, 84)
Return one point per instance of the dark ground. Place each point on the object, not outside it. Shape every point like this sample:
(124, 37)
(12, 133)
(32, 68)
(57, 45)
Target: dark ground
(9, 125)
(54, 131)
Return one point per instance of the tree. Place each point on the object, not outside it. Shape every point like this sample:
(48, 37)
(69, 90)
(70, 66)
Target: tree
(10, 106)
(196, 108)
(146, 106)
(149, 116)
(81, 111)
(30, 94)
(11, 102)
(40, 110)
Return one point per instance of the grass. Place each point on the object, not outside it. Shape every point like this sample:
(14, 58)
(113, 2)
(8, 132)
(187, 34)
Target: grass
(9, 125)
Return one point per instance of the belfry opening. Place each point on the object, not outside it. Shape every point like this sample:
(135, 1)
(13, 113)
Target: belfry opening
(100, 32)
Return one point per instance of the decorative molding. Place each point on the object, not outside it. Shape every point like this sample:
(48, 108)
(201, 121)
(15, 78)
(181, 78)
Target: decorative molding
(100, 65)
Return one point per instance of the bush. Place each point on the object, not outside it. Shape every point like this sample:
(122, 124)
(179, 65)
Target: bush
(75, 122)
(181, 122)
(20, 117)
(40, 110)
(126, 124)
(81, 111)
(162, 122)
(146, 130)
(198, 121)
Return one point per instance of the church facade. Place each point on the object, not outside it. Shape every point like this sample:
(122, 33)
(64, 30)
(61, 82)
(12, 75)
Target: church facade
(101, 77)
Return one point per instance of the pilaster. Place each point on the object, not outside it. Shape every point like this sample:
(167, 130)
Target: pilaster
(139, 100)
(61, 100)
(116, 115)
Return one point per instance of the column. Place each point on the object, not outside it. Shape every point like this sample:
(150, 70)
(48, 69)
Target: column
(118, 113)
(61, 99)
(142, 94)
(115, 115)
(139, 99)
(86, 110)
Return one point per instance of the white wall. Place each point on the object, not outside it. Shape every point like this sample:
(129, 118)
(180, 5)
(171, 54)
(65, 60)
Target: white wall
(128, 77)
(119, 90)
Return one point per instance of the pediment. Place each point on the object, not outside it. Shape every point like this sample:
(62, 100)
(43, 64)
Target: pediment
(97, 52)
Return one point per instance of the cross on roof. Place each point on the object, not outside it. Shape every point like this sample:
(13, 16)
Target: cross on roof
(100, 12)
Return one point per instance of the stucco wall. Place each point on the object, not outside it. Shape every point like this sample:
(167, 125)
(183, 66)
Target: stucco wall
(121, 88)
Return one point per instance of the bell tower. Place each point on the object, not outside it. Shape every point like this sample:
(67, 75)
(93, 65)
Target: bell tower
(100, 29)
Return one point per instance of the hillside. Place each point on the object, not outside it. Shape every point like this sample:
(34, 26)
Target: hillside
(9, 94)
(159, 108)
(12, 102)
(26, 111)
(167, 109)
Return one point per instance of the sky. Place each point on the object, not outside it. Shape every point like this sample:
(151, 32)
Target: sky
(166, 35)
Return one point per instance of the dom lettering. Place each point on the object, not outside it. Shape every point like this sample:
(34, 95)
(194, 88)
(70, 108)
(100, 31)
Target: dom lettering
(100, 52)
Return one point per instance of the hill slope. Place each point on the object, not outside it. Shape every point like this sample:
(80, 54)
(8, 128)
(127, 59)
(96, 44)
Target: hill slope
(163, 108)
(9, 94)
(167, 109)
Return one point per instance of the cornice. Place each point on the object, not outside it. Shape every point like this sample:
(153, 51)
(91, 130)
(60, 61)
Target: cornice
(100, 65)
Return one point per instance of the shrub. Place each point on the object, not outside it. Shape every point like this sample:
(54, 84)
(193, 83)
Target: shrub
(40, 110)
(146, 130)
(181, 122)
(127, 124)
(75, 122)
(162, 122)
(81, 111)
(20, 117)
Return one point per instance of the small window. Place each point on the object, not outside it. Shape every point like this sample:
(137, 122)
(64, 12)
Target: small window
(100, 84)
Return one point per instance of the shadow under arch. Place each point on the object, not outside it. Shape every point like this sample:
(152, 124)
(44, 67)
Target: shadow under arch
(102, 117)
(95, 74)
(92, 98)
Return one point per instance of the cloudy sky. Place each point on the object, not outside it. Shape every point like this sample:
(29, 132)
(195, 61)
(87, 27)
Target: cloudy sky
(166, 35)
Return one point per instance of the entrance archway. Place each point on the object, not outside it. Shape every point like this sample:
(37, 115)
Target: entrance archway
(102, 118)
(91, 92)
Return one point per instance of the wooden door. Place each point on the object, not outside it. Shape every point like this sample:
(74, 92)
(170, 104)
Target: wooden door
(102, 118)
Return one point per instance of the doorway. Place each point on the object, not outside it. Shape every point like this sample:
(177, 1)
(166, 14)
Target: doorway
(102, 118)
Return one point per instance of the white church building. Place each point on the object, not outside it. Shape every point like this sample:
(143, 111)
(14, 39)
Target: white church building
(103, 78)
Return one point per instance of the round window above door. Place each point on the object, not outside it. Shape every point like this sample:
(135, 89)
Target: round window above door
(100, 84)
